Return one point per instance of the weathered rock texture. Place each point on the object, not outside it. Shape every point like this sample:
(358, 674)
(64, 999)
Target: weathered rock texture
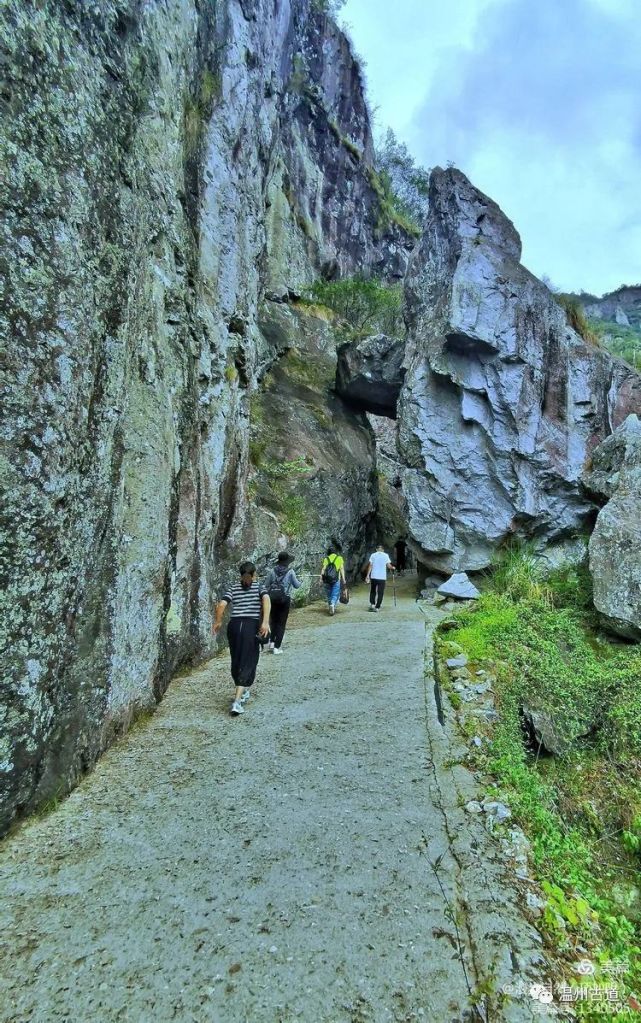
(615, 544)
(370, 375)
(169, 166)
(502, 402)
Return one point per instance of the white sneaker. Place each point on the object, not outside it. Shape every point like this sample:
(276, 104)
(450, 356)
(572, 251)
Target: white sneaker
(270, 648)
(372, 608)
(244, 698)
(237, 708)
(332, 609)
(277, 650)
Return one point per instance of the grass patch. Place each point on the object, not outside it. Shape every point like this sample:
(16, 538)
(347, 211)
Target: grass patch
(581, 811)
(623, 342)
(577, 319)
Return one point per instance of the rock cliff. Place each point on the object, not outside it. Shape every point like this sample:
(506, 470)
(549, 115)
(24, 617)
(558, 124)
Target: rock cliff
(176, 170)
(501, 403)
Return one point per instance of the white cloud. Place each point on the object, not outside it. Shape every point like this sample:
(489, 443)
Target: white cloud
(539, 103)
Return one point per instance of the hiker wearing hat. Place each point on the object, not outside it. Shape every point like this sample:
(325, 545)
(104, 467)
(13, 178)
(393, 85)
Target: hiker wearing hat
(249, 623)
(280, 581)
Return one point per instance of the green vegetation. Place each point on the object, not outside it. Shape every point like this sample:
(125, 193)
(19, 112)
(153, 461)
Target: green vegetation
(277, 484)
(392, 210)
(331, 7)
(294, 514)
(624, 342)
(404, 184)
(365, 304)
(199, 103)
(576, 318)
(581, 811)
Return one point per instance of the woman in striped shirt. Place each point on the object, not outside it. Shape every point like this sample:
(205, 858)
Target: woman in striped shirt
(249, 623)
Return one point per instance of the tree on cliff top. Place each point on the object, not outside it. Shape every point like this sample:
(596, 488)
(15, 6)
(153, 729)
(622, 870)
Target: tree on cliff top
(408, 182)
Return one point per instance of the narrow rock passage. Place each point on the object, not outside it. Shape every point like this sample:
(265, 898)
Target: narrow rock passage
(273, 867)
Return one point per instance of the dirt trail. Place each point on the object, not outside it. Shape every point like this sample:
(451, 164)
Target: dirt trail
(274, 867)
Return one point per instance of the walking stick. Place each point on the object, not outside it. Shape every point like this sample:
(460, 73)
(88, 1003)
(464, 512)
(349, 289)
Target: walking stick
(394, 585)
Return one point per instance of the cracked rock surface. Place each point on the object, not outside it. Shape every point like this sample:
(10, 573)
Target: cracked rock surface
(502, 402)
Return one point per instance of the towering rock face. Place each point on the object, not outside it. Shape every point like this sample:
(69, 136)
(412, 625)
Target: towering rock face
(615, 544)
(172, 168)
(502, 402)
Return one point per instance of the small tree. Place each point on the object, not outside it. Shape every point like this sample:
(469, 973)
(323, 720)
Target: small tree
(366, 304)
(406, 182)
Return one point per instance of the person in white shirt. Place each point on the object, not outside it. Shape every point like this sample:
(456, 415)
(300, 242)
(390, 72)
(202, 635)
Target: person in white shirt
(379, 562)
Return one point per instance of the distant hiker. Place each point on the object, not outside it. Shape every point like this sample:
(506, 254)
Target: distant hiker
(400, 550)
(249, 623)
(377, 567)
(280, 582)
(333, 575)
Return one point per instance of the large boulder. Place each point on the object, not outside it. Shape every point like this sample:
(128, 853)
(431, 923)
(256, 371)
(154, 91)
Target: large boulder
(459, 586)
(502, 402)
(369, 374)
(615, 544)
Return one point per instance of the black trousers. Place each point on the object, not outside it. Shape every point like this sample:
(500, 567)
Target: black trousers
(278, 620)
(376, 591)
(244, 648)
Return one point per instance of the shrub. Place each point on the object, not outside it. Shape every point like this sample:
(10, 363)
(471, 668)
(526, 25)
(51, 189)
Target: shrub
(404, 183)
(366, 304)
(331, 7)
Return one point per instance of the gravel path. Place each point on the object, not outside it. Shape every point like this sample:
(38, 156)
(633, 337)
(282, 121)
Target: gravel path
(273, 867)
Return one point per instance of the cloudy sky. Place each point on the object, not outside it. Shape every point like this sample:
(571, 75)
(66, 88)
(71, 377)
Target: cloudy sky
(538, 101)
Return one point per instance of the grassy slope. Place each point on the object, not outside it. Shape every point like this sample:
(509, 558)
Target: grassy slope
(582, 811)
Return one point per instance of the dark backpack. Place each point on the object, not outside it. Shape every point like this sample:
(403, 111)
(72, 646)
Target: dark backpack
(277, 592)
(330, 572)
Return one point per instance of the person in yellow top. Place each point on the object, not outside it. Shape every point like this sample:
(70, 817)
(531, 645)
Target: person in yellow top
(333, 575)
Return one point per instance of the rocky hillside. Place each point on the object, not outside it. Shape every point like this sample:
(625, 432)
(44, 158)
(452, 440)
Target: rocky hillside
(622, 306)
(180, 174)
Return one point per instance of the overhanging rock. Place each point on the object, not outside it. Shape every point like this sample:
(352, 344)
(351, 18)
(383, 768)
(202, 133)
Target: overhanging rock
(370, 374)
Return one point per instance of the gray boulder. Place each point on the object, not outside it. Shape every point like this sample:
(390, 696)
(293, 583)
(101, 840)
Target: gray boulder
(369, 374)
(615, 544)
(459, 586)
(549, 733)
(502, 401)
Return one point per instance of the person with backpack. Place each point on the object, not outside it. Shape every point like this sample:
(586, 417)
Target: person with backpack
(249, 623)
(280, 582)
(377, 567)
(333, 575)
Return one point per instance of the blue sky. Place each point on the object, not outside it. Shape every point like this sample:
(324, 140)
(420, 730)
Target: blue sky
(538, 101)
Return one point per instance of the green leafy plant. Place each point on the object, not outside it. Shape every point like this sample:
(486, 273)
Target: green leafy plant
(367, 305)
(538, 636)
(405, 185)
